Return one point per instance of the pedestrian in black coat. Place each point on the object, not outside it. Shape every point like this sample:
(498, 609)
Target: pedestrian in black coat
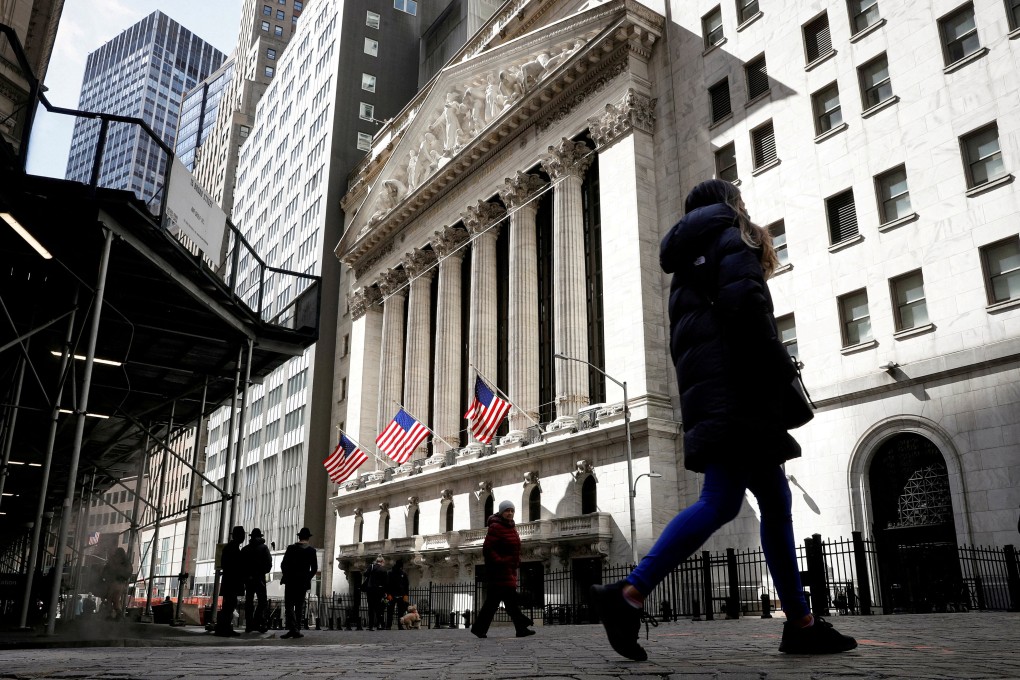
(376, 578)
(256, 561)
(231, 583)
(398, 588)
(299, 566)
(735, 379)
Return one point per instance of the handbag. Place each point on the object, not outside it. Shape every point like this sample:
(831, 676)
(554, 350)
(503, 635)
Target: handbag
(798, 409)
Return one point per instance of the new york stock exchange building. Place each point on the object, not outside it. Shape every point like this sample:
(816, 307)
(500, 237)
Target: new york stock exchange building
(506, 225)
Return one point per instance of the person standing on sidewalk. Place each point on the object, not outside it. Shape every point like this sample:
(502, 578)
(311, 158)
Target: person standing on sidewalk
(502, 553)
(397, 590)
(232, 582)
(257, 561)
(299, 566)
(735, 378)
(375, 591)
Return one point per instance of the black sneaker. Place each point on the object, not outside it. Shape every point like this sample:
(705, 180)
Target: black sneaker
(525, 633)
(621, 621)
(289, 634)
(477, 634)
(298, 635)
(821, 638)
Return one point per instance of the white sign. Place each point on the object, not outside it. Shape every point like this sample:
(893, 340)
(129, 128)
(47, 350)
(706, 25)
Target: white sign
(193, 212)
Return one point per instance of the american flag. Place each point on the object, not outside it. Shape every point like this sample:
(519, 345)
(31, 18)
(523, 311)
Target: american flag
(345, 459)
(401, 437)
(486, 412)
(94, 538)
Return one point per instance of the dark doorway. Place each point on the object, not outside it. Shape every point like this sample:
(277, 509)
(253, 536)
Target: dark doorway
(589, 496)
(587, 572)
(488, 511)
(913, 513)
(531, 586)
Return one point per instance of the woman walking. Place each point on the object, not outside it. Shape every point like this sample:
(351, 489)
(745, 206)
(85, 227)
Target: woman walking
(502, 553)
(734, 377)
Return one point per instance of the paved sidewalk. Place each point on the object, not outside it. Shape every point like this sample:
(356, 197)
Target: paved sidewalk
(943, 646)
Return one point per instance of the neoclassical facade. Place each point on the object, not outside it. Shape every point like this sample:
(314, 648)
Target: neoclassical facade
(513, 212)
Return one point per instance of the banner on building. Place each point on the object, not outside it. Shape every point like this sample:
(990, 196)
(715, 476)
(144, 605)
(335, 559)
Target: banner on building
(193, 212)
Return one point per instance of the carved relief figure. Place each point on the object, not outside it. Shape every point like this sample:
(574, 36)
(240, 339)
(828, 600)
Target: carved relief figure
(494, 101)
(510, 87)
(451, 121)
(412, 169)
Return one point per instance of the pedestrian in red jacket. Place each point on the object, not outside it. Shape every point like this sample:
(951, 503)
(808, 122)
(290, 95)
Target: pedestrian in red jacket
(502, 553)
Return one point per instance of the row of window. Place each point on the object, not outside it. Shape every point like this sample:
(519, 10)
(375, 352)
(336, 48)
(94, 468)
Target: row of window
(1000, 265)
(277, 29)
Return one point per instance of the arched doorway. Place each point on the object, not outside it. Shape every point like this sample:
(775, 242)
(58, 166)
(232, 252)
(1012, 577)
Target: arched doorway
(913, 526)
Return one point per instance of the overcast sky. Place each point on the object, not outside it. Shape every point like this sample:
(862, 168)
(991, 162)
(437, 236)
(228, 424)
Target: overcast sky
(85, 25)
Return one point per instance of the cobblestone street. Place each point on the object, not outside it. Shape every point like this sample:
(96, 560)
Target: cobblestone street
(949, 646)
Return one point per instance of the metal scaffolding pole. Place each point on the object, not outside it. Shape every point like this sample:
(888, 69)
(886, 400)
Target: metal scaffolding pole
(182, 577)
(79, 429)
(241, 437)
(12, 420)
(154, 544)
(133, 531)
(80, 542)
(51, 438)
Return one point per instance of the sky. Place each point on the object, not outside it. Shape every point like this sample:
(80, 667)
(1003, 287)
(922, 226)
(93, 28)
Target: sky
(85, 25)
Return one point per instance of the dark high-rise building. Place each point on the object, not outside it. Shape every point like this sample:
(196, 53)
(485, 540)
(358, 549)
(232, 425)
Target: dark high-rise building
(144, 73)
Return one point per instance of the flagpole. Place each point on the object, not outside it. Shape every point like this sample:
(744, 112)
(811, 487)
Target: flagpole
(423, 424)
(505, 396)
(363, 448)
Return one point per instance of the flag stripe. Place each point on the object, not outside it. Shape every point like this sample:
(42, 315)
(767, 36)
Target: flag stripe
(345, 459)
(401, 437)
(486, 412)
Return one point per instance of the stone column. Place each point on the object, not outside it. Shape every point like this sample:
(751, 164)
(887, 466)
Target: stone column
(391, 358)
(517, 193)
(566, 163)
(446, 407)
(363, 378)
(419, 265)
(481, 222)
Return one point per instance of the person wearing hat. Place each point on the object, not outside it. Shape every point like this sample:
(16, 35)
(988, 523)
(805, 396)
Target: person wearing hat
(257, 561)
(502, 553)
(299, 566)
(232, 582)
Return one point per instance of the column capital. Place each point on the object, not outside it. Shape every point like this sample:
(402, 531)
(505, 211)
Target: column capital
(447, 241)
(567, 158)
(479, 218)
(516, 190)
(363, 299)
(391, 282)
(419, 262)
(636, 111)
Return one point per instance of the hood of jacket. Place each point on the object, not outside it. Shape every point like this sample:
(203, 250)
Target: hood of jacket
(499, 519)
(688, 238)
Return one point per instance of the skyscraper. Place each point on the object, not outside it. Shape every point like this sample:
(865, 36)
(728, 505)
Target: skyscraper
(144, 73)
(198, 113)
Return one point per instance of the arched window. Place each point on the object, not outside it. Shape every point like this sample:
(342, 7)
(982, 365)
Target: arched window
(449, 517)
(488, 508)
(414, 522)
(385, 526)
(359, 530)
(589, 496)
(535, 504)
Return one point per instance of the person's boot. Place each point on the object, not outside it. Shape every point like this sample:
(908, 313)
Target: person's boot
(819, 638)
(621, 621)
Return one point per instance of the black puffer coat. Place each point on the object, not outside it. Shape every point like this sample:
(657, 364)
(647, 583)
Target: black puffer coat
(730, 365)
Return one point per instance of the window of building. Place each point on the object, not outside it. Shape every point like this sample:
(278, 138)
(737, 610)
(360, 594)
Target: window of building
(746, 9)
(856, 320)
(267, 10)
(1001, 264)
(346, 345)
(409, 6)
(1013, 14)
(959, 34)
(415, 522)
(278, 30)
(842, 213)
(488, 510)
(366, 111)
(893, 194)
(244, 131)
(719, 96)
(367, 82)
(385, 526)
(270, 53)
(359, 530)
(372, 19)
(589, 496)
(448, 524)
(828, 112)
(726, 163)
(817, 39)
(372, 47)
(756, 73)
(270, 71)
(711, 27)
(876, 86)
(787, 328)
(364, 142)
(280, 16)
(982, 156)
(535, 504)
(265, 25)
(863, 13)
(298, 5)
(763, 145)
(909, 303)
(778, 232)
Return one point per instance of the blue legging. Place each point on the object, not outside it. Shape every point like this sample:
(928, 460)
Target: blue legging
(721, 498)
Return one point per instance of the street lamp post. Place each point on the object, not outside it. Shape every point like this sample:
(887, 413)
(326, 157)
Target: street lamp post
(630, 457)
